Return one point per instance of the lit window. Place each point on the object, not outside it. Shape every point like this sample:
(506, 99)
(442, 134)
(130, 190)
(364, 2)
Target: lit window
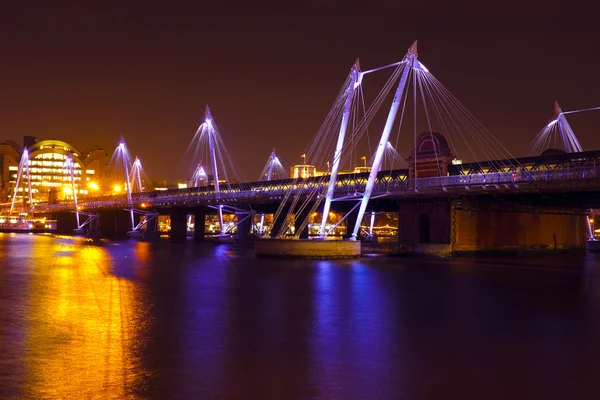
(90, 171)
(13, 168)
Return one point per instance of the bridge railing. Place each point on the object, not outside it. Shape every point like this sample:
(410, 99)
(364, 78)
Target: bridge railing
(497, 178)
(346, 186)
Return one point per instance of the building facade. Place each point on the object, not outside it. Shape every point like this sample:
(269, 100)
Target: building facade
(49, 178)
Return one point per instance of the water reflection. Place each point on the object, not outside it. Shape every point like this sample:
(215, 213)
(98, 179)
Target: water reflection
(183, 320)
(83, 325)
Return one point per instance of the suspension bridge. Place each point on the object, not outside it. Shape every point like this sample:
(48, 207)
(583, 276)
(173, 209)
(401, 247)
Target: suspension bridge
(443, 204)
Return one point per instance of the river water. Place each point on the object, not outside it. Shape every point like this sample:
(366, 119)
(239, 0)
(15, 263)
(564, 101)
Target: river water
(194, 321)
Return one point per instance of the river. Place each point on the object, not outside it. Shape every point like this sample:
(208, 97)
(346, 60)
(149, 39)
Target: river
(194, 321)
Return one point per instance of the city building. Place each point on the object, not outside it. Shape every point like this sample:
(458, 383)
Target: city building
(50, 180)
(304, 171)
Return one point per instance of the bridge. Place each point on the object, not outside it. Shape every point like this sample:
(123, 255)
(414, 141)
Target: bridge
(569, 172)
(443, 205)
(552, 185)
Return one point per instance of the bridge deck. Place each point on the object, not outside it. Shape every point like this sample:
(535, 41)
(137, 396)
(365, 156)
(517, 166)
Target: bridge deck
(392, 184)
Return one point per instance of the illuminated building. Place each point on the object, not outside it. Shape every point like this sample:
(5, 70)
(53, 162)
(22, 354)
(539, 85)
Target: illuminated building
(50, 181)
(304, 171)
(359, 170)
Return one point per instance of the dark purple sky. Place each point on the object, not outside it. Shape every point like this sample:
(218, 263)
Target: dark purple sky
(84, 73)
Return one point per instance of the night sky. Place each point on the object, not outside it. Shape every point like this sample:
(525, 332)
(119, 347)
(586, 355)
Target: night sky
(84, 73)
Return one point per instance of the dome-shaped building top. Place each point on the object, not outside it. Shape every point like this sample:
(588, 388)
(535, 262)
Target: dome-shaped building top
(49, 177)
(433, 156)
(432, 143)
(552, 152)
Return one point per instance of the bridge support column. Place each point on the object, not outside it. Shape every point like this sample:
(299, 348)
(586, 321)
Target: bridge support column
(65, 222)
(299, 219)
(115, 223)
(278, 222)
(424, 222)
(516, 225)
(245, 225)
(489, 224)
(350, 222)
(178, 225)
(94, 231)
(151, 233)
(199, 224)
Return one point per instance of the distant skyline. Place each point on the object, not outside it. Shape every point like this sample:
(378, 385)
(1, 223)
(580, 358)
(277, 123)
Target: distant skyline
(85, 73)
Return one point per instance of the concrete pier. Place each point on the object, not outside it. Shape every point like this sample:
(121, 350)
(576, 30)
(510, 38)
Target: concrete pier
(306, 248)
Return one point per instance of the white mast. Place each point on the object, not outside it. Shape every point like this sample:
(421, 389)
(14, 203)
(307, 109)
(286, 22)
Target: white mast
(211, 144)
(70, 165)
(355, 78)
(127, 183)
(570, 142)
(135, 172)
(410, 61)
(272, 160)
(24, 163)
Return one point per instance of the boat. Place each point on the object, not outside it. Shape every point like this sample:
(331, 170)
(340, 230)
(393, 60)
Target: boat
(25, 223)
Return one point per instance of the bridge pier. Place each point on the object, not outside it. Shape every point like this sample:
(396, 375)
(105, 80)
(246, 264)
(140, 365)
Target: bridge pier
(93, 230)
(350, 222)
(199, 224)
(178, 225)
(244, 227)
(151, 233)
(299, 219)
(65, 222)
(115, 223)
(471, 225)
(486, 225)
(278, 222)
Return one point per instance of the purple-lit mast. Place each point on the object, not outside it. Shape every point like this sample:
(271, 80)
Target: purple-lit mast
(570, 142)
(123, 149)
(410, 61)
(135, 171)
(355, 78)
(195, 180)
(198, 174)
(272, 160)
(70, 165)
(211, 145)
(24, 163)
(271, 163)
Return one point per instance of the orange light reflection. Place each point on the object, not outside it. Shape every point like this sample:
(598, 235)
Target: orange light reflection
(85, 322)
